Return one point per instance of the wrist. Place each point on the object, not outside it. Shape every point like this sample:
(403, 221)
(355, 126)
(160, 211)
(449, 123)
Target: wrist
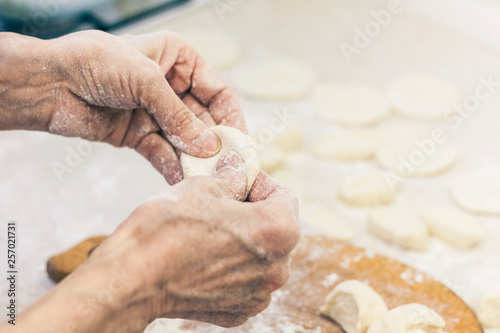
(31, 81)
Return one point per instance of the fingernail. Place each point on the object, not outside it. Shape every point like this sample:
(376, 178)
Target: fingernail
(229, 160)
(208, 141)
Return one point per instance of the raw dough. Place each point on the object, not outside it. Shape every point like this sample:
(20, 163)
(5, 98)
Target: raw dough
(488, 309)
(276, 79)
(291, 138)
(367, 190)
(271, 158)
(408, 318)
(354, 305)
(423, 97)
(231, 139)
(347, 146)
(478, 191)
(397, 226)
(452, 226)
(216, 47)
(326, 222)
(356, 104)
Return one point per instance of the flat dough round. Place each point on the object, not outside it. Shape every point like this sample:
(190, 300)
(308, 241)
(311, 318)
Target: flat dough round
(354, 305)
(398, 226)
(217, 48)
(478, 191)
(409, 318)
(327, 222)
(271, 158)
(452, 226)
(276, 79)
(291, 138)
(422, 97)
(231, 139)
(352, 105)
(367, 190)
(489, 307)
(347, 146)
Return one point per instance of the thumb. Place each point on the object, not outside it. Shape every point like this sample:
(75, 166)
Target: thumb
(179, 124)
(231, 175)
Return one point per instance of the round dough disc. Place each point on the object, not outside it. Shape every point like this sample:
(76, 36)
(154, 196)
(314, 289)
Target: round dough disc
(367, 190)
(216, 47)
(353, 105)
(231, 139)
(422, 97)
(276, 79)
(347, 146)
(478, 192)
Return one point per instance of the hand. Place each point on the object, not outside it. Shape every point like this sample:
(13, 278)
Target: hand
(152, 93)
(191, 252)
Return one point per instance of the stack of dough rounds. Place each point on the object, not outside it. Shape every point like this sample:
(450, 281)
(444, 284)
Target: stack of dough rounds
(423, 97)
(231, 139)
(354, 306)
(352, 105)
(326, 222)
(409, 318)
(452, 226)
(478, 191)
(367, 190)
(219, 49)
(397, 226)
(277, 79)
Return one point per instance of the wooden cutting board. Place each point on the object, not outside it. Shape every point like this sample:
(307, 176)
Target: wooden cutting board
(318, 264)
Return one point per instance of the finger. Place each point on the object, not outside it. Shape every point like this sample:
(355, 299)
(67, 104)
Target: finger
(230, 175)
(180, 126)
(141, 125)
(162, 156)
(199, 110)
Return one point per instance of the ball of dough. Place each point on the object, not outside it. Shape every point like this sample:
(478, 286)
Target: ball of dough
(276, 79)
(488, 309)
(356, 104)
(423, 97)
(216, 47)
(478, 191)
(231, 139)
(347, 146)
(398, 226)
(408, 318)
(354, 305)
(326, 222)
(452, 226)
(367, 190)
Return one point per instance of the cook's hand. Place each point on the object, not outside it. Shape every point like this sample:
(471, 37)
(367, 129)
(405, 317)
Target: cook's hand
(152, 92)
(191, 252)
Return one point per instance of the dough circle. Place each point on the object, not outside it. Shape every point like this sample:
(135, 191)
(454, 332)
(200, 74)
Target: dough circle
(231, 139)
(276, 79)
(478, 192)
(216, 47)
(367, 190)
(352, 105)
(347, 146)
(326, 222)
(422, 97)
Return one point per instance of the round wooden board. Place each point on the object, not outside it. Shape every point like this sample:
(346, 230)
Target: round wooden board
(318, 264)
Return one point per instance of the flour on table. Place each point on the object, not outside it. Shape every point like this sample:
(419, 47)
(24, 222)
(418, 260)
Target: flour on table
(163, 325)
(277, 79)
(367, 190)
(409, 318)
(327, 222)
(216, 47)
(354, 305)
(452, 226)
(395, 225)
(231, 139)
(423, 97)
(350, 104)
(478, 191)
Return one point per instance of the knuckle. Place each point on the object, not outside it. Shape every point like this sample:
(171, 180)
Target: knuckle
(279, 232)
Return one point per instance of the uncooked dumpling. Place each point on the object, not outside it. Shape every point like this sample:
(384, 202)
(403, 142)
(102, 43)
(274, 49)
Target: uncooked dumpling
(423, 97)
(478, 191)
(326, 222)
(216, 47)
(409, 318)
(354, 305)
(397, 226)
(367, 190)
(452, 226)
(276, 79)
(231, 139)
(355, 104)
